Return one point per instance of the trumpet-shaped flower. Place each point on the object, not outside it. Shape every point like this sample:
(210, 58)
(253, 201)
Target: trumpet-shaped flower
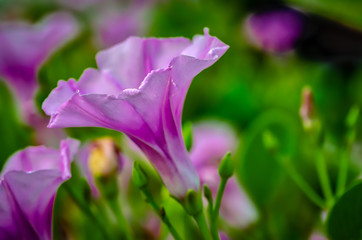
(28, 184)
(139, 90)
(212, 140)
(23, 49)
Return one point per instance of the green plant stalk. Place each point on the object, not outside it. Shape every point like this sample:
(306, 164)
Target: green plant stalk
(201, 222)
(215, 211)
(121, 220)
(342, 173)
(160, 213)
(85, 208)
(343, 165)
(210, 212)
(324, 178)
(302, 184)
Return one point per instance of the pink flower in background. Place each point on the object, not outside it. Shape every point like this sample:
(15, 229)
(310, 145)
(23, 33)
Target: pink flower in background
(100, 157)
(116, 23)
(28, 185)
(139, 90)
(211, 141)
(317, 236)
(25, 47)
(82, 5)
(275, 30)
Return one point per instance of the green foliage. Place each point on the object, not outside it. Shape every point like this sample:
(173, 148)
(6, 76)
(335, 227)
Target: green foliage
(257, 169)
(345, 218)
(14, 135)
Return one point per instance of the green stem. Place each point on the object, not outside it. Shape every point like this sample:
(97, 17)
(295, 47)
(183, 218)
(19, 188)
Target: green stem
(201, 222)
(210, 212)
(342, 173)
(85, 208)
(215, 212)
(161, 213)
(121, 220)
(324, 178)
(302, 184)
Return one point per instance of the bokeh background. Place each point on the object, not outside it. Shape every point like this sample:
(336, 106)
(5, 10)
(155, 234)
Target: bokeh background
(251, 88)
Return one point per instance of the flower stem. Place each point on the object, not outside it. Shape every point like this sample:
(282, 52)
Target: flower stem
(324, 178)
(302, 184)
(342, 173)
(215, 212)
(210, 205)
(121, 220)
(85, 208)
(160, 211)
(201, 222)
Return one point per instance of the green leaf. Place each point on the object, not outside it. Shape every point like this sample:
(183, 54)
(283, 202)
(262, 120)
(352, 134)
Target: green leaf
(257, 169)
(345, 219)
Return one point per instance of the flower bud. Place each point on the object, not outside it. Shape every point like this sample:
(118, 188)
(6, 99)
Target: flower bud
(104, 157)
(193, 202)
(226, 167)
(352, 117)
(270, 141)
(207, 192)
(307, 109)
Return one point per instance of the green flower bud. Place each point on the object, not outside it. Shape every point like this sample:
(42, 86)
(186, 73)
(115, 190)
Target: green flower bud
(207, 193)
(352, 117)
(193, 202)
(270, 141)
(226, 167)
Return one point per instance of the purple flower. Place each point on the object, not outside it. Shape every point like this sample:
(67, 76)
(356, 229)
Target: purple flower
(275, 30)
(211, 141)
(28, 184)
(139, 90)
(25, 47)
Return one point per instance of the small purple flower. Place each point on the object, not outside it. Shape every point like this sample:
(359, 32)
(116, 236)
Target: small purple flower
(139, 90)
(28, 185)
(211, 141)
(24, 48)
(275, 30)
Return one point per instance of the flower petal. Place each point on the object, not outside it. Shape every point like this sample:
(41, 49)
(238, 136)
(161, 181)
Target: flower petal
(131, 60)
(28, 186)
(25, 47)
(38, 158)
(33, 208)
(201, 54)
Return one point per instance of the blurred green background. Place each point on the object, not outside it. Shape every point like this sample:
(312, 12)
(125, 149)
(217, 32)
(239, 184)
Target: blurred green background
(250, 89)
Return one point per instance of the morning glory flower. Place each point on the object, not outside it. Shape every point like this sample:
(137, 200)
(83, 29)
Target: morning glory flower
(139, 89)
(25, 47)
(28, 185)
(211, 141)
(275, 30)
